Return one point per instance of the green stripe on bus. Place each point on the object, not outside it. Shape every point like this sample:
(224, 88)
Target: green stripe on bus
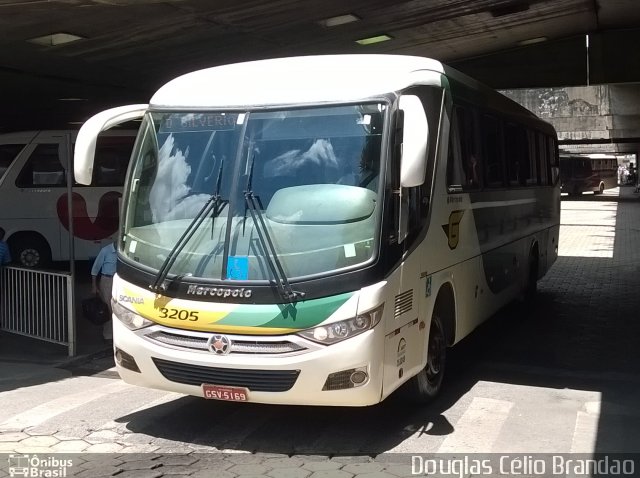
(301, 315)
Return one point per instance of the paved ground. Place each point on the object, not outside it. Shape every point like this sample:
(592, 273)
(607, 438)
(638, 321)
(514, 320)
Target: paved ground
(559, 377)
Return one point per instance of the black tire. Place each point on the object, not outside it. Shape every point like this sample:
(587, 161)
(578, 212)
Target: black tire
(600, 189)
(426, 385)
(30, 251)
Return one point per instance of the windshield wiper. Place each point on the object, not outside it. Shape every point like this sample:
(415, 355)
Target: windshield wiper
(254, 205)
(214, 205)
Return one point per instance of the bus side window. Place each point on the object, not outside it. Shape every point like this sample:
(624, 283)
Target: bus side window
(542, 155)
(492, 152)
(463, 166)
(514, 154)
(456, 175)
(8, 152)
(529, 163)
(112, 159)
(43, 169)
(552, 155)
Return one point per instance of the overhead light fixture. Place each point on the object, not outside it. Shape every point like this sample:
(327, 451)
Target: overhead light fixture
(532, 41)
(72, 99)
(76, 122)
(372, 40)
(339, 20)
(55, 39)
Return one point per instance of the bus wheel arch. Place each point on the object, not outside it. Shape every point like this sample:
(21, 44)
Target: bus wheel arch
(600, 189)
(425, 386)
(29, 249)
(445, 308)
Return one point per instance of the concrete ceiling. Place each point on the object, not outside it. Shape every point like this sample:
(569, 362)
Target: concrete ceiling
(128, 48)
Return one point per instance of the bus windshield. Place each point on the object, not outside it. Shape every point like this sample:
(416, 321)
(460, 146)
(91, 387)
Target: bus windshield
(297, 187)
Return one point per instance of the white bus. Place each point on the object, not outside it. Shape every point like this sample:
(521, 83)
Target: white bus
(317, 230)
(34, 196)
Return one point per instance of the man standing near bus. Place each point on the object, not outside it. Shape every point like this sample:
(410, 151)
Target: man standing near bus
(5, 255)
(105, 266)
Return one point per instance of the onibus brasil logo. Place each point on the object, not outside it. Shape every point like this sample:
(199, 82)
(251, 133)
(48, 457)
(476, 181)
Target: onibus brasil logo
(38, 467)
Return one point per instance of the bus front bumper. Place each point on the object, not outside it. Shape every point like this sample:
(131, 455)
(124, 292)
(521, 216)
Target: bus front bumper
(299, 379)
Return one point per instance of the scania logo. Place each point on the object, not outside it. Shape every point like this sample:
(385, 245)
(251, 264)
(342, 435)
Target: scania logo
(223, 292)
(131, 300)
(219, 344)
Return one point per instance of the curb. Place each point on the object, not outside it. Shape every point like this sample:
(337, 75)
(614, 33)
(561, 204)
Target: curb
(83, 359)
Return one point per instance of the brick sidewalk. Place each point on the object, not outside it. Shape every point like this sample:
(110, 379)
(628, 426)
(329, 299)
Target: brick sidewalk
(596, 279)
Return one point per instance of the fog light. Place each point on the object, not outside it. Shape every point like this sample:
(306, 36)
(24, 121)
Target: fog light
(351, 378)
(126, 361)
(358, 377)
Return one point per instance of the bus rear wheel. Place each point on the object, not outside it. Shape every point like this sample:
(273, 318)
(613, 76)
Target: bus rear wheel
(425, 386)
(30, 251)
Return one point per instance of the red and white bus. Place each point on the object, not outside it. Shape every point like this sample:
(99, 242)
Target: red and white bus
(34, 196)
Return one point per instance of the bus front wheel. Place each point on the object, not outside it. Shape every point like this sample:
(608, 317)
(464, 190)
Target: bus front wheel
(600, 189)
(426, 385)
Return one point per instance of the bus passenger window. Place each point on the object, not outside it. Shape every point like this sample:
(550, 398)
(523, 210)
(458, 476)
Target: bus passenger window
(513, 136)
(463, 170)
(8, 153)
(552, 150)
(492, 153)
(473, 175)
(543, 168)
(111, 160)
(456, 177)
(43, 168)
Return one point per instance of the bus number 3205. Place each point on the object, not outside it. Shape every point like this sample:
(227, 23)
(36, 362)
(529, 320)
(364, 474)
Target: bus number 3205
(178, 314)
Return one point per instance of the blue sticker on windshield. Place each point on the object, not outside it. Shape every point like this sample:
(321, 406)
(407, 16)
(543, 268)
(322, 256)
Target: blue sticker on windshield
(238, 268)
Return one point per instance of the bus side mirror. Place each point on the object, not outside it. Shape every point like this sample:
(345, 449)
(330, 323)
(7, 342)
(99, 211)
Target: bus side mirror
(415, 134)
(85, 148)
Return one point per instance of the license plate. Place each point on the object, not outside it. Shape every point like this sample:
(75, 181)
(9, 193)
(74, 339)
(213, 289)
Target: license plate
(221, 392)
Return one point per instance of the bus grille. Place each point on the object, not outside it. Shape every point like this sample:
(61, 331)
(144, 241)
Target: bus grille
(238, 346)
(255, 380)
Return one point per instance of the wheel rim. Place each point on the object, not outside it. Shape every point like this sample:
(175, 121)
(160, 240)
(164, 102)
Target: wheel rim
(29, 257)
(434, 355)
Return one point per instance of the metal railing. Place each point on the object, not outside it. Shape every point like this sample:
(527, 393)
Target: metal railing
(38, 304)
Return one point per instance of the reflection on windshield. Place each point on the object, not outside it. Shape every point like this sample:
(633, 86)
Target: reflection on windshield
(315, 178)
(169, 197)
(319, 154)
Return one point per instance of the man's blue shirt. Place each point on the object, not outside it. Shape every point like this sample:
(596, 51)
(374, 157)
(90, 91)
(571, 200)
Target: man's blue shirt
(5, 256)
(105, 263)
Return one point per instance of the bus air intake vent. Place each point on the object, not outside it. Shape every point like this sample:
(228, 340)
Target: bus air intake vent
(403, 303)
(254, 380)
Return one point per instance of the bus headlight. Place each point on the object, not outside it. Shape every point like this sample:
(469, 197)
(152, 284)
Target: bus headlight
(130, 319)
(344, 329)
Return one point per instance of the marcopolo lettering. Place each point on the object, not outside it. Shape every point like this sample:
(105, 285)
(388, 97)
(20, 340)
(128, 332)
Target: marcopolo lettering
(223, 292)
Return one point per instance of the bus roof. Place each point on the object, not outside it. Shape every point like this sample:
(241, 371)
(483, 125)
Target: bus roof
(297, 80)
